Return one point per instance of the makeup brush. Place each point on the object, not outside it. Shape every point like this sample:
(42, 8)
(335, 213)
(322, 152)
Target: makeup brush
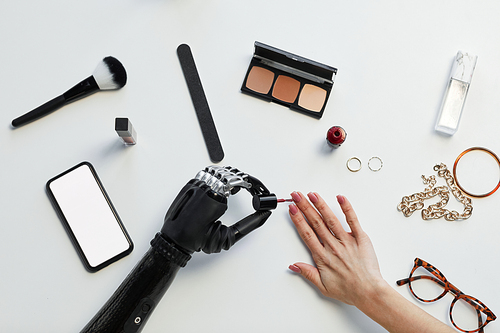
(108, 75)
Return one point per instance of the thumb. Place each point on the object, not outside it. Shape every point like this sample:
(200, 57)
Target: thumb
(309, 272)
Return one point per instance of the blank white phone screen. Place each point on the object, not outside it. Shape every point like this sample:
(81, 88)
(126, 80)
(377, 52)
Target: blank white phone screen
(89, 214)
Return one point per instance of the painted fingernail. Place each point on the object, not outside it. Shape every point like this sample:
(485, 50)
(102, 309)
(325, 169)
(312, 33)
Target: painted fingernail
(295, 196)
(294, 268)
(313, 197)
(293, 209)
(340, 199)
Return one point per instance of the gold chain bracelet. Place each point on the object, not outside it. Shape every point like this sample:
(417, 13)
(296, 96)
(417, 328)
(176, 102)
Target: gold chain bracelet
(413, 202)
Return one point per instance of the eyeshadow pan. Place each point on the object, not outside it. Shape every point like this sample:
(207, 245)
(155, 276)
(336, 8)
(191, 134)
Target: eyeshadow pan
(286, 89)
(312, 98)
(260, 79)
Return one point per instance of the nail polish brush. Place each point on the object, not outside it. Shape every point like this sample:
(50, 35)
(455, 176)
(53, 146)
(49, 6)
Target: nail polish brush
(108, 75)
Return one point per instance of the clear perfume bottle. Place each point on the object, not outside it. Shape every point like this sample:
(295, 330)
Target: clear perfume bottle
(456, 92)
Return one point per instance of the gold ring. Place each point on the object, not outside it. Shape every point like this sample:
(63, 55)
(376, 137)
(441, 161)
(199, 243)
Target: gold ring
(455, 171)
(381, 163)
(349, 168)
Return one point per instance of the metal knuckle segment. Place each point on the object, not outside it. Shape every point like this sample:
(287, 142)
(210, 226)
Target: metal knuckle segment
(223, 179)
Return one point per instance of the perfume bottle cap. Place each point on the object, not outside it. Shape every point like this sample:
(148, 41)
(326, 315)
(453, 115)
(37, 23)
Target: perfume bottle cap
(463, 66)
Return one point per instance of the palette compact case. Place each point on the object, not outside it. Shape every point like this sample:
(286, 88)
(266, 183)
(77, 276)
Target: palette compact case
(278, 76)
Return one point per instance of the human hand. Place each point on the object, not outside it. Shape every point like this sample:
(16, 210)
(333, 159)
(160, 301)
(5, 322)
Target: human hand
(346, 265)
(347, 268)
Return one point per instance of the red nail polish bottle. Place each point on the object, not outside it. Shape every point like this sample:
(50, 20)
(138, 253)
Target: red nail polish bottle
(336, 136)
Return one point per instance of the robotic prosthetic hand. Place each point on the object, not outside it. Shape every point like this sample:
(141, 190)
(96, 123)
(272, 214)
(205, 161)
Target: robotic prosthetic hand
(190, 226)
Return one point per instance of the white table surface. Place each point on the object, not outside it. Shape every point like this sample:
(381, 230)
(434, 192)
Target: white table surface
(393, 61)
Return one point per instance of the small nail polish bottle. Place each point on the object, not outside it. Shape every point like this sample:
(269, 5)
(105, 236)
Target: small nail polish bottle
(125, 131)
(336, 136)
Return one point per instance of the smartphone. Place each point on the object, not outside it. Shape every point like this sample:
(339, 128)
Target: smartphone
(89, 216)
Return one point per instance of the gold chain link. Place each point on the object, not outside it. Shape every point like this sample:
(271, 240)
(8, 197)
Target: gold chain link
(414, 202)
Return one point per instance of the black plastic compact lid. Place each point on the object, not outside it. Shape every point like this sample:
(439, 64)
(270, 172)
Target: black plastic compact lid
(295, 62)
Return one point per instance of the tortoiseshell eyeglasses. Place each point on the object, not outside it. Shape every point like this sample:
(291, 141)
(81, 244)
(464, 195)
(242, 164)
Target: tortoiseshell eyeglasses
(428, 284)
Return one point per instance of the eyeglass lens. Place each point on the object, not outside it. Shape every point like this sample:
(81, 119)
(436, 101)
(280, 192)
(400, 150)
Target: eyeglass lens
(465, 316)
(426, 288)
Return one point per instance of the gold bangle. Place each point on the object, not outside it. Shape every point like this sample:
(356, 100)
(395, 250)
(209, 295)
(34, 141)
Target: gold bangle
(455, 171)
(349, 160)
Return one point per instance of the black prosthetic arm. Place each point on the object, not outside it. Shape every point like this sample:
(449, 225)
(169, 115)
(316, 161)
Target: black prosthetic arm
(128, 309)
(190, 226)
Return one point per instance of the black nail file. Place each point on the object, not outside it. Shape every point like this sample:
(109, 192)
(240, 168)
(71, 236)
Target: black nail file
(200, 103)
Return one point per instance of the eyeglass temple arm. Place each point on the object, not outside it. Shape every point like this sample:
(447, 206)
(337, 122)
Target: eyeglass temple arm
(451, 287)
(420, 277)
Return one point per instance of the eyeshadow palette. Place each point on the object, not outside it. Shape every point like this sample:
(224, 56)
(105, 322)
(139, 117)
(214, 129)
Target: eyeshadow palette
(278, 76)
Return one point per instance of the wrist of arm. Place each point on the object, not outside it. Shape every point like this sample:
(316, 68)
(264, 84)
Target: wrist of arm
(396, 314)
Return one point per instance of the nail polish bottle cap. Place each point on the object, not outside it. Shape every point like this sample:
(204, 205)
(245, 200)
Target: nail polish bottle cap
(335, 136)
(264, 201)
(125, 131)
